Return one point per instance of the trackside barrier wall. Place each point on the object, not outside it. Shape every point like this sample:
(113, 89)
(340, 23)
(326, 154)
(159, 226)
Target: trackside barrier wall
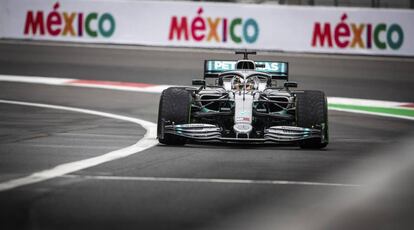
(212, 25)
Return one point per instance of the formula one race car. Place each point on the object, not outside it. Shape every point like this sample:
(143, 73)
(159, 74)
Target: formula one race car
(243, 103)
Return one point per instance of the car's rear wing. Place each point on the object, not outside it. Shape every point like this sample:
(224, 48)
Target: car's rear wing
(278, 70)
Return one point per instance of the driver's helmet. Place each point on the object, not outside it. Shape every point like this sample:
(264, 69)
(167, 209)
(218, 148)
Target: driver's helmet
(251, 84)
(237, 83)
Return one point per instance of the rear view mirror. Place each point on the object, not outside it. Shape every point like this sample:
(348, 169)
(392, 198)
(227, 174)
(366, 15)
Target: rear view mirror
(199, 82)
(290, 84)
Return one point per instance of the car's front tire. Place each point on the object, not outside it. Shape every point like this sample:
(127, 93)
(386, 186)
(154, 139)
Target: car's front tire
(312, 112)
(174, 106)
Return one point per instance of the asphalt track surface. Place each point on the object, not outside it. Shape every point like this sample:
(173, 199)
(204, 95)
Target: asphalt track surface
(108, 197)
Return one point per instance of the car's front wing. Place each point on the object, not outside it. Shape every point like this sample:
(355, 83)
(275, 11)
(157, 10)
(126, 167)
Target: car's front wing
(275, 134)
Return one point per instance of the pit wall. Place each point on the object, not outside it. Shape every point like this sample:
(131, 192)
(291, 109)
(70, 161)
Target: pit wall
(212, 25)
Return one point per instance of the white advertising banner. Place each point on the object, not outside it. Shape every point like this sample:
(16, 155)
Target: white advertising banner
(212, 25)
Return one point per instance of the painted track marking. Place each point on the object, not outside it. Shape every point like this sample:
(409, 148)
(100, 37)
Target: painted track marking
(206, 180)
(112, 85)
(146, 142)
(370, 113)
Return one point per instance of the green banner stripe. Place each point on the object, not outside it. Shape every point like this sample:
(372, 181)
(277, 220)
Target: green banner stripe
(392, 111)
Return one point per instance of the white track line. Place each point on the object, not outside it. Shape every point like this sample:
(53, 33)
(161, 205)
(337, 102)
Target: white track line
(73, 82)
(35, 79)
(205, 180)
(148, 89)
(146, 142)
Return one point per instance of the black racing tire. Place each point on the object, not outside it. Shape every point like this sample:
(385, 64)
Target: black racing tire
(312, 111)
(174, 106)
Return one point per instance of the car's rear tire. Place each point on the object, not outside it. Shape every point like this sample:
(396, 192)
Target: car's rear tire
(175, 105)
(311, 112)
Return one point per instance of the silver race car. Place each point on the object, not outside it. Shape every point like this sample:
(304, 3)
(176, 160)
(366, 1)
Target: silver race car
(241, 101)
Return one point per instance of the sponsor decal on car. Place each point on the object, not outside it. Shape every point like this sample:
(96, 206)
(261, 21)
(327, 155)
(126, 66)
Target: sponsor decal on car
(268, 66)
(242, 119)
(357, 35)
(219, 30)
(80, 24)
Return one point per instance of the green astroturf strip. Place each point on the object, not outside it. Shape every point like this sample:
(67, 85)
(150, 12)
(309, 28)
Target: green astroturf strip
(393, 111)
